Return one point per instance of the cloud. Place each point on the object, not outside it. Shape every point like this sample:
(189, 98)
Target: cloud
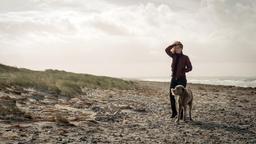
(95, 36)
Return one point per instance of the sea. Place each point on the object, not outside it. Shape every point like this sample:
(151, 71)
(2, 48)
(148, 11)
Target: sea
(228, 81)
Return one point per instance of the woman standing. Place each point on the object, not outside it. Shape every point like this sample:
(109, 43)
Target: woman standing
(180, 65)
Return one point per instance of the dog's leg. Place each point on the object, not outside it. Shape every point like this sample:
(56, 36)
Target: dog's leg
(190, 109)
(179, 113)
(184, 113)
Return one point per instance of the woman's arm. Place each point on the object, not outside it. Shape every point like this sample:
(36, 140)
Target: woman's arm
(169, 50)
(188, 65)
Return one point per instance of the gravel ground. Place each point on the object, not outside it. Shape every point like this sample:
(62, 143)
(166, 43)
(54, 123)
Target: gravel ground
(222, 114)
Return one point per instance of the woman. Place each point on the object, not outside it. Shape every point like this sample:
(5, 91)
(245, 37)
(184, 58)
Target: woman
(180, 66)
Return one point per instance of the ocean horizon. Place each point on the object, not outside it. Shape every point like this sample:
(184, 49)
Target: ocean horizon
(227, 81)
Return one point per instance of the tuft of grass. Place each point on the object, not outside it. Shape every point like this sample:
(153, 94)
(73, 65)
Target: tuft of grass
(59, 82)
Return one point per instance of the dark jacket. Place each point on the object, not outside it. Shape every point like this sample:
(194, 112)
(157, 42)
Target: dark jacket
(183, 66)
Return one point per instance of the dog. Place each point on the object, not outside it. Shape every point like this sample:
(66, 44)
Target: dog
(185, 97)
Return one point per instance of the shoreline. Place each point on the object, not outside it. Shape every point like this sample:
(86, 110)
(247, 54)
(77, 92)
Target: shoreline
(198, 84)
(240, 81)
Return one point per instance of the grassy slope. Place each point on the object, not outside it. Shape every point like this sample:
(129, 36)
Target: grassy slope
(59, 82)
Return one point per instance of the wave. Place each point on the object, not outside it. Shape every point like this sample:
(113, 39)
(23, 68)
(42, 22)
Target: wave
(240, 82)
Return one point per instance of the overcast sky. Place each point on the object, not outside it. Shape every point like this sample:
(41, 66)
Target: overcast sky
(127, 38)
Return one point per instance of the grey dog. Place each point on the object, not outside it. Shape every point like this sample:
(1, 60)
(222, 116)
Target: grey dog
(185, 97)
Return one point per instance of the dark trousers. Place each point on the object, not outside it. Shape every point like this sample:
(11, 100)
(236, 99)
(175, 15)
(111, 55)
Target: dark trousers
(174, 82)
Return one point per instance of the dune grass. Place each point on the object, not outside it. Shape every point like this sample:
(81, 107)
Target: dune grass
(59, 82)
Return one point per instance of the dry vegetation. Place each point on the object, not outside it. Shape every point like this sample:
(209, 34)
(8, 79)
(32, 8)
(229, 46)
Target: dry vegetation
(58, 82)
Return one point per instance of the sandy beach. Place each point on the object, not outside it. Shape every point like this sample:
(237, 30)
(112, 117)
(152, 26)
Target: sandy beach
(222, 114)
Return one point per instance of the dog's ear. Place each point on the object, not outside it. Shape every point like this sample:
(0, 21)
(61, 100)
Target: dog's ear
(172, 91)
